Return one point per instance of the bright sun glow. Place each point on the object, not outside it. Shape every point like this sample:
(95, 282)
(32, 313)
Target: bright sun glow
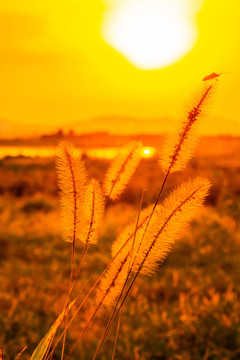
(148, 152)
(151, 33)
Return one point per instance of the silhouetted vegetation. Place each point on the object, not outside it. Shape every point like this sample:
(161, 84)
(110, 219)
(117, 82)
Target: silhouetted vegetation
(189, 309)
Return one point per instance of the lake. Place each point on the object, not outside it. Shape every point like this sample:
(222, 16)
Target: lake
(40, 151)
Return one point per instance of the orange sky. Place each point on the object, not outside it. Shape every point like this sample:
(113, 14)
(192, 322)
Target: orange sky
(57, 70)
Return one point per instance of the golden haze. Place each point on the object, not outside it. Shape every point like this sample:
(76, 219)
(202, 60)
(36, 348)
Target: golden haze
(58, 72)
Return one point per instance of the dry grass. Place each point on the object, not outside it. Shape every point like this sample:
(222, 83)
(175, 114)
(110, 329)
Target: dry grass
(196, 290)
(191, 294)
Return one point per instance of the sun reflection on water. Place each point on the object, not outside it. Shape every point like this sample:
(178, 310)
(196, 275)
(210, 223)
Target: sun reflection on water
(148, 152)
(44, 152)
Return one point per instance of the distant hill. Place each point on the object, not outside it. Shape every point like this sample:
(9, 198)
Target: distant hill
(90, 140)
(105, 139)
(123, 125)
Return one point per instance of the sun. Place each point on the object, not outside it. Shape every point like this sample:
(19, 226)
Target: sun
(150, 33)
(148, 152)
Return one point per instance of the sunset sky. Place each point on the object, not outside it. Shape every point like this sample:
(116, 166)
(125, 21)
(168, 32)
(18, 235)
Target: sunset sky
(66, 63)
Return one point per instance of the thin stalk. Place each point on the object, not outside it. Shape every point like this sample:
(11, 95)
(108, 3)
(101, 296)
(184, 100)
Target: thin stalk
(71, 287)
(79, 338)
(68, 323)
(94, 285)
(156, 202)
(19, 354)
(85, 299)
(99, 278)
(83, 330)
(48, 349)
(73, 281)
(66, 305)
(66, 312)
(112, 317)
(89, 322)
(124, 285)
(129, 272)
(116, 337)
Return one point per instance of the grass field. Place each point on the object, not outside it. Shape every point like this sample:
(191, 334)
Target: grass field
(190, 309)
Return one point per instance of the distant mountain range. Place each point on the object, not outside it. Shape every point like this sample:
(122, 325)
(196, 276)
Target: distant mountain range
(113, 125)
(123, 125)
(104, 139)
(90, 140)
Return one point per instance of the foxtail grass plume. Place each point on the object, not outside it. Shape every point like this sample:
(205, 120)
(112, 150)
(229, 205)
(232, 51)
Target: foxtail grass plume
(125, 239)
(176, 212)
(121, 170)
(168, 221)
(114, 279)
(179, 147)
(123, 253)
(72, 182)
(93, 208)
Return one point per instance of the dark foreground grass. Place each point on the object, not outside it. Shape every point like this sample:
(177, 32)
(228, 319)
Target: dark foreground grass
(188, 310)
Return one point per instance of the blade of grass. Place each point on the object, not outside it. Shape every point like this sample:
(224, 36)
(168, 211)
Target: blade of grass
(73, 280)
(42, 347)
(83, 301)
